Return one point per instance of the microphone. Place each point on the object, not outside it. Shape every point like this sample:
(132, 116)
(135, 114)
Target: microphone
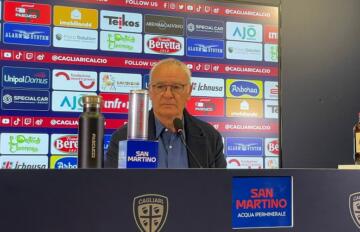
(178, 125)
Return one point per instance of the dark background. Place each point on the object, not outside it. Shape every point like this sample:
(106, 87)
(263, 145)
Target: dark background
(320, 80)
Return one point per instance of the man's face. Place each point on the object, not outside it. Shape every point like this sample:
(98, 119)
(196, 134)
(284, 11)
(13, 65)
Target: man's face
(169, 90)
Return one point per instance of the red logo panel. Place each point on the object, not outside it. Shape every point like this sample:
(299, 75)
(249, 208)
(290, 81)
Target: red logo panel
(199, 106)
(115, 103)
(24, 12)
(271, 34)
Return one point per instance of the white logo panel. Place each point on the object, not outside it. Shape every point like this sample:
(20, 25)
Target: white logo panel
(23, 162)
(165, 45)
(119, 82)
(271, 108)
(121, 21)
(64, 144)
(272, 163)
(75, 38)
(244, 32)
(245, 162)
(244, 51)
(271, 52)
(271, 89)
(120, 42)
(74, 80)
(24, 143)
(207, 87)
(64, 101)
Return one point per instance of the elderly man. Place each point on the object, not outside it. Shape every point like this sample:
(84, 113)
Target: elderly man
(169, 90)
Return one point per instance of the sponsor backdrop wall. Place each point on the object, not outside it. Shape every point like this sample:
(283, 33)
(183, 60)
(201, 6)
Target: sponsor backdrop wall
(54, 52)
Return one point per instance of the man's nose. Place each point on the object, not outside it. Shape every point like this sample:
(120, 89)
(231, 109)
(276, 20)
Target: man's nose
(168, 92)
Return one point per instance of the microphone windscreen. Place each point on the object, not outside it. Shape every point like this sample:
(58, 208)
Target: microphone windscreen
(178, 124)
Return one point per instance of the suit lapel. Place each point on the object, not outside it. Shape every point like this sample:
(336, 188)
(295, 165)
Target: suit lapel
(196, 141)
(151, 126)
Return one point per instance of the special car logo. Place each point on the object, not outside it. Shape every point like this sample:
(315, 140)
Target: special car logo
(354, 205)
(150, 212)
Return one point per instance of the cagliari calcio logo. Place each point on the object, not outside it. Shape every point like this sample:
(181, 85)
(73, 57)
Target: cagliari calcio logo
(354, 205)
(150, 212)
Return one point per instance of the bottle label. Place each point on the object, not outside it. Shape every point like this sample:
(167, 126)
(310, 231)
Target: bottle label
(357, 142)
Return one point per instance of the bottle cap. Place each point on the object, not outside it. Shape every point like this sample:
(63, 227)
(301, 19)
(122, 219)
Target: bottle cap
(91, 100)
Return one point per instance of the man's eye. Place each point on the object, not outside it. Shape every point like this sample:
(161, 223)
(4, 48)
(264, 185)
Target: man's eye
(176, 87)
(161, 87)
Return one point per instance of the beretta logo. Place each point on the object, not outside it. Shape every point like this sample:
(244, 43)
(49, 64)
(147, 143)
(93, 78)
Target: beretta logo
(21, 77)
(26, 34)
(165, 25)
(157, 44)
(27, 12)
(64, 144)
(150, 212)
(121, 21)
(272, 147)
(354, 206)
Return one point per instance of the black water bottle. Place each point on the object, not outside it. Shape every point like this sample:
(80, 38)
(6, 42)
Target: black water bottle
(91, 134)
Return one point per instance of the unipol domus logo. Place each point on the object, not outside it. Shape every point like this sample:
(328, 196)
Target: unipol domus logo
(354, 206)
(150, 212)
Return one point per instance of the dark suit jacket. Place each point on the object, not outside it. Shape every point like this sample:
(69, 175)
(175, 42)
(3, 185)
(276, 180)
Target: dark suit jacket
(202, 139)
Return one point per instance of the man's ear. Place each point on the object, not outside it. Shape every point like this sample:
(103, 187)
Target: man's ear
(190, 91)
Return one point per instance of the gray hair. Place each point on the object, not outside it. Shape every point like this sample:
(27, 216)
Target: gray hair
(171, 61)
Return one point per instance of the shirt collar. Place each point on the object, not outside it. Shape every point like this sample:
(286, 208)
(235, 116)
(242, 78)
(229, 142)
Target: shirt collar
(160, 127)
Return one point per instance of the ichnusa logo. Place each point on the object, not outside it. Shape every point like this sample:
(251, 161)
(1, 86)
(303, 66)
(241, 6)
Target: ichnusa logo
(150, 212)
(74, 80)
(26, 100)
(23, 162)
(165, 45)
(64, 101)
(120, 42)
(21, 77)
(23, 34)
(205, 48)
(207, 87)
(121, 21)
(244, 88)
(244, 146)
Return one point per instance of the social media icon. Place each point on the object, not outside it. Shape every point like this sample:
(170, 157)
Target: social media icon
(5, 121)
